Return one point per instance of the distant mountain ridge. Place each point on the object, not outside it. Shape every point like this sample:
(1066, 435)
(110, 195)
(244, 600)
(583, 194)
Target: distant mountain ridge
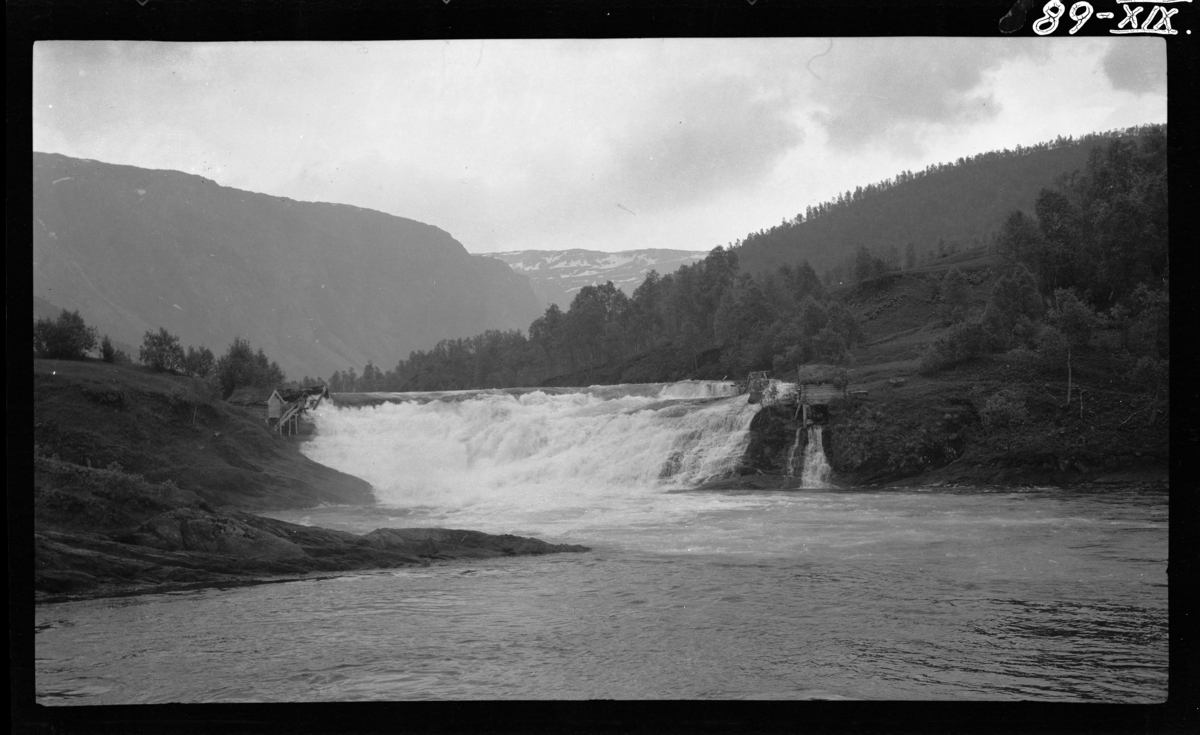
(557, 275)
(320, 287)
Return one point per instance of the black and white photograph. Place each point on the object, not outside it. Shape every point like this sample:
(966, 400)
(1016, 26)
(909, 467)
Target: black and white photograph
(825, 368)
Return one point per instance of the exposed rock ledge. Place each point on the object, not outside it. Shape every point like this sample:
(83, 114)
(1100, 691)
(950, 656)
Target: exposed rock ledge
(189, 547)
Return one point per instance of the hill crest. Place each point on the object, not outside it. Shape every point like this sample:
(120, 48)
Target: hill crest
(319, 286)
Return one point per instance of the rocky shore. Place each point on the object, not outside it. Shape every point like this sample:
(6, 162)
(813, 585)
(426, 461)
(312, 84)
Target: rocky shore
(931, 433)
(144, 483)
(188, 547)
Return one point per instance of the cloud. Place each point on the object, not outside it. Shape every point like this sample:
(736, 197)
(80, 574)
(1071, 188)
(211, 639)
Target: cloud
(895, 90)
(1137, 65)
(511, 144)
(701, 139)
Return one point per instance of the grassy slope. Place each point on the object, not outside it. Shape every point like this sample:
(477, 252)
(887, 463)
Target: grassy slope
(162, 427)
(140, 483)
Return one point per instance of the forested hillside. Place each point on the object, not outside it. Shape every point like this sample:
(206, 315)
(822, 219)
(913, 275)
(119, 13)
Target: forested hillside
(704, 320)
(1094, 254)
(915, 216)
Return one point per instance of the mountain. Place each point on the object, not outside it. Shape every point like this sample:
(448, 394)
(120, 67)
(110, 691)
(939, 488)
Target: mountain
(557, 275)
(320, 287)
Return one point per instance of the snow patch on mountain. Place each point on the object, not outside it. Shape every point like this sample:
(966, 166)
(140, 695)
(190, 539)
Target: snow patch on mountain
(557, 275)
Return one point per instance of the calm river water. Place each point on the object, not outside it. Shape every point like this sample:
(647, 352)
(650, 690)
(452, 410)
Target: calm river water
(968, 594)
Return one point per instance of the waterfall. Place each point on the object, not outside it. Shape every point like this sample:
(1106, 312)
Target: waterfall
(699, 389)
(791, 460)
(817, 471)
(535, 449)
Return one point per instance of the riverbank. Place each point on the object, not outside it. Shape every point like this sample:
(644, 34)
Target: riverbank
(901, 428)
(188, 548)
(142, 482)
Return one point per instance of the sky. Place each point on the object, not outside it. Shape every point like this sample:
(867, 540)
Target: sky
(597, 144)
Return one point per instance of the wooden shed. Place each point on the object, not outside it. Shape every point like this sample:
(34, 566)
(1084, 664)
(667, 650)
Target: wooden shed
(818, 394)
(275, 407)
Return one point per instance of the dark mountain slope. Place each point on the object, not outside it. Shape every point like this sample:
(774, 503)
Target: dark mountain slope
(318, 286)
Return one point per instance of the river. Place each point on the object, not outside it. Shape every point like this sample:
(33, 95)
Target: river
(922, 594)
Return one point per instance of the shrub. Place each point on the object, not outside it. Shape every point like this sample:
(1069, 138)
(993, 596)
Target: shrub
(822, 374)
(1073, 317)
(1052, 348)
(1022, 359)
(1003, 412)
(67, 338)
(1152, 373)
(1024, 331)
(963, 342)
(161, 351)
(930, 360)
(955, 296)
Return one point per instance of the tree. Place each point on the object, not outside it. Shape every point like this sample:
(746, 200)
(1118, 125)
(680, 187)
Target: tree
(240, 367)
(891, 258)
(66, 338)
(1052, 349)
(1153, 375)
(1103, 230)
(689, 340)
(1012, 308)
(741, 313)
(955, 296)
(840, 319)
(812, 318)
(110, 353)
(1149, 320)
(829, 345)
(199, 362)
(866, 265)
(161, 351)
(1020, 240)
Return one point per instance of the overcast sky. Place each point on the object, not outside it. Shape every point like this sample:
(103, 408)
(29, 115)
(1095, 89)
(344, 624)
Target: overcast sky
(598, 144)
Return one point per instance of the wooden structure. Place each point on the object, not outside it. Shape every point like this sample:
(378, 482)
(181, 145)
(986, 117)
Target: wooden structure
(813, 402)
(819, 393)
(810, 399)
(284, 409)
(758, 385)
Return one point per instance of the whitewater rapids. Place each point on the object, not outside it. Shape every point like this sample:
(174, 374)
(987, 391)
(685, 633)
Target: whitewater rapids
(522, 454)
